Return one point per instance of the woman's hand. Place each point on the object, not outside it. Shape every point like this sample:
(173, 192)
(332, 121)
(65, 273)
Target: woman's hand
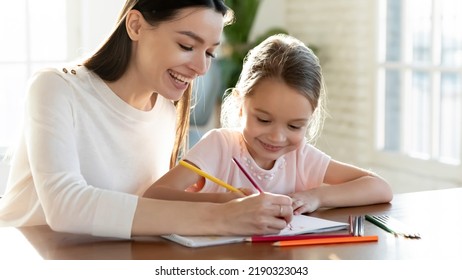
(305, 202)
(256, 214)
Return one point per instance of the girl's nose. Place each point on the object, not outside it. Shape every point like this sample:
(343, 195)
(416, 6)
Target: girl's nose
(277, 135)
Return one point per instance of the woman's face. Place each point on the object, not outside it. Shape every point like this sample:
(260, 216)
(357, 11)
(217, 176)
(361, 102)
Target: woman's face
(166, 58)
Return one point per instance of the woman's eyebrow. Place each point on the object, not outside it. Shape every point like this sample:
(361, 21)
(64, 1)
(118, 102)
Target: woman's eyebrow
(196, 37)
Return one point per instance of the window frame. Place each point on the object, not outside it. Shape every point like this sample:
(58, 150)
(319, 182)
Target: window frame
(424, 167)
(73, 17)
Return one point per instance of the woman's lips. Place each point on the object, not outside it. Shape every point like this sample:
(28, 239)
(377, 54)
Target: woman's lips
(180, 81)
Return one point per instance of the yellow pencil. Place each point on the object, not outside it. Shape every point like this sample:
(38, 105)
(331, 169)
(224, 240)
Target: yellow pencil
(210, 177)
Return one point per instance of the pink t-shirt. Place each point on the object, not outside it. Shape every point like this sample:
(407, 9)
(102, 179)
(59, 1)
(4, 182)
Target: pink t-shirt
(298, 170)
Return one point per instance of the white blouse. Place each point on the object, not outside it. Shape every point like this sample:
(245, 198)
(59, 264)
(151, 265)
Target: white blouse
(84, 155)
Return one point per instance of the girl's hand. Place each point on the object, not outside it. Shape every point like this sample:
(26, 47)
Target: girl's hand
(228, 196)
(244, 192)
(247, 191)
(305, 202)
(256, 214)
(221, 197)
(197, 187)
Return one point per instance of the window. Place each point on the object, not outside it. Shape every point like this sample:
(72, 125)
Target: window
(420, 82)
(32, 38)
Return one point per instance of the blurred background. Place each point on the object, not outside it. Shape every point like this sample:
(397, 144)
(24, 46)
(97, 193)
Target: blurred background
(392, 68)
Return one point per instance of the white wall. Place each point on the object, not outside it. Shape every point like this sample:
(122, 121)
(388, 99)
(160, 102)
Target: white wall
(90, 22)
(344, 33)
(3, 176)
(98, 18)
(271, 14)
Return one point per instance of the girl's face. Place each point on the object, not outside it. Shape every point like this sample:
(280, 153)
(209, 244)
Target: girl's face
(166, 58)
(275, 119)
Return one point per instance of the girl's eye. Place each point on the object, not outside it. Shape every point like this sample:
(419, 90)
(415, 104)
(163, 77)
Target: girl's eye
(186, 48)
(294, 127)
(263, 120)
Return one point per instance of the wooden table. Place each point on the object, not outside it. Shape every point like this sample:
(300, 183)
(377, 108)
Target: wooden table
(437, 215)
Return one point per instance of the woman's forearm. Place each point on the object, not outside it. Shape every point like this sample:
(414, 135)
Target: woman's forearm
(255, 214)
(166, 193)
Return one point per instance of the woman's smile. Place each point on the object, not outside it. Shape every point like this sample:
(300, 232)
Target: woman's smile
(179, 81)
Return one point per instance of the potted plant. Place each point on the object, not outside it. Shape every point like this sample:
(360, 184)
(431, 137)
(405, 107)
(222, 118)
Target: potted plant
(237, 42)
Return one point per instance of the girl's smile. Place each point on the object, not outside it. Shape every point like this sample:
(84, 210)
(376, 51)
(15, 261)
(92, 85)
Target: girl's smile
(269, 147)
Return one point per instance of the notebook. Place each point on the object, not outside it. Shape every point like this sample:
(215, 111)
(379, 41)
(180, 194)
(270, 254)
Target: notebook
(300, 224)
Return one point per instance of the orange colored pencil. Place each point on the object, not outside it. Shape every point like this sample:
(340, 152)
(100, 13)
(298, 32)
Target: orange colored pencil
(333, 240)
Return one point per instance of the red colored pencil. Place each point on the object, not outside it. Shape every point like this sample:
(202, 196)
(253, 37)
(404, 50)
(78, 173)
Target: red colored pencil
(247, 175)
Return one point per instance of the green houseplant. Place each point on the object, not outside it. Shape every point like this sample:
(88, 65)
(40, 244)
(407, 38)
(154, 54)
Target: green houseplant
(237, 42)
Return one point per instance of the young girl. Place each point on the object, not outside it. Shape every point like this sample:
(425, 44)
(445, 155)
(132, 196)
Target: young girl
(278, 101)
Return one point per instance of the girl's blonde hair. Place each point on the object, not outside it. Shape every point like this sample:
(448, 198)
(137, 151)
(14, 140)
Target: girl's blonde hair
(285, 58)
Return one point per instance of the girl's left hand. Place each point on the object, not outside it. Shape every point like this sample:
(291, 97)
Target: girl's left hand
(244, 192)
(304, 202)
(197, 187)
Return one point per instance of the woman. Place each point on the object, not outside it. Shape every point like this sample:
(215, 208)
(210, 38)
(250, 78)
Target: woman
(97, 136)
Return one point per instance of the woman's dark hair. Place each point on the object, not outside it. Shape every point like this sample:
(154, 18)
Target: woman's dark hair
(111, 60)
